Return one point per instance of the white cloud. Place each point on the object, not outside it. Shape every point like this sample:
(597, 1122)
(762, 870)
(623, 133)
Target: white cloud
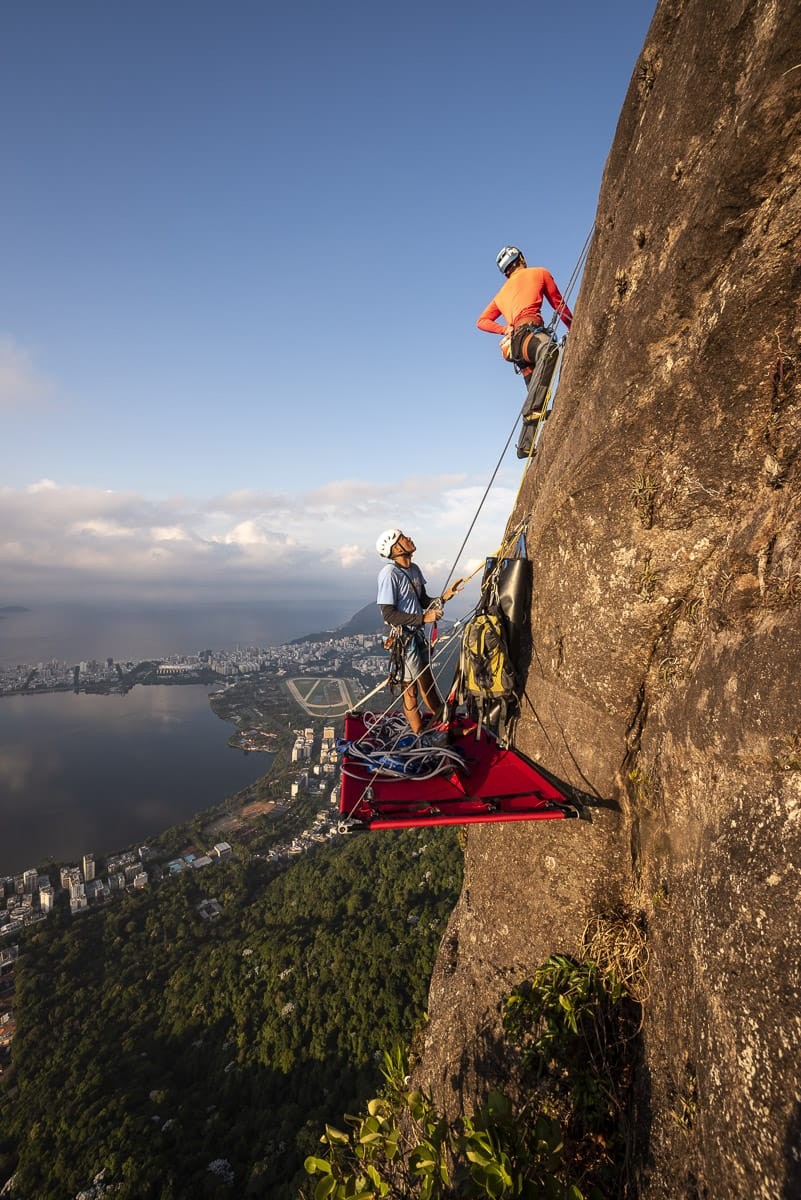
(169, 533)
(350, 555)
(255, 532)
(21, 385)
(80, 542)
(97, 527)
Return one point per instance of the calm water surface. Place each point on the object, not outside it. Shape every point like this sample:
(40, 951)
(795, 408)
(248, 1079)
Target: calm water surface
(95, 773)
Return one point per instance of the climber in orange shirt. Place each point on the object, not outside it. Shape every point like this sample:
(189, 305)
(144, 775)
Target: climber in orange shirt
(519, 302)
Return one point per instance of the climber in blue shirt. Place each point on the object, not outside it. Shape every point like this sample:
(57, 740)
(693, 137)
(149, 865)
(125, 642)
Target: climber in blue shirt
(406, 607)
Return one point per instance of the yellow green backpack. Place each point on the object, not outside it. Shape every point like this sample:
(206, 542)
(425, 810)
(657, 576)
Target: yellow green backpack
(487, 680)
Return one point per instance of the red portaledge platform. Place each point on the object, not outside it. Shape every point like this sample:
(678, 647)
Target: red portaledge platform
(499, 785)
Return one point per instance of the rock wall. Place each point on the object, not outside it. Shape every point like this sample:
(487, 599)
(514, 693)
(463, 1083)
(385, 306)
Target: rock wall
(664, 526)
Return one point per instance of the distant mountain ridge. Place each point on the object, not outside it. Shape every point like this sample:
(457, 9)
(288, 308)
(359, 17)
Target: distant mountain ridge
(366, 620)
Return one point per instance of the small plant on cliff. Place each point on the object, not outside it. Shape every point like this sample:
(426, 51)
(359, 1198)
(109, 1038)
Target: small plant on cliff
(645, 584)
(783, 593)
(639, 784)
(789, 755)
(647, 72)
(693, 609)
(616, 942)
(668, 669)
(782, 379)
(571, 1027)
(575, 1023)
(403, 1148)
(685, 1108)
(643, 497)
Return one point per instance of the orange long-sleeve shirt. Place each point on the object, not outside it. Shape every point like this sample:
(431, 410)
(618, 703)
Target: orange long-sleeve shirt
(520, 299)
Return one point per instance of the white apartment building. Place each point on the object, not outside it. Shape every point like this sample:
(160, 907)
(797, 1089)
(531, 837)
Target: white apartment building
(66, 875)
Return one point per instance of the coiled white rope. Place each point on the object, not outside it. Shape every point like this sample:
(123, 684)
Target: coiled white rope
(388, 749)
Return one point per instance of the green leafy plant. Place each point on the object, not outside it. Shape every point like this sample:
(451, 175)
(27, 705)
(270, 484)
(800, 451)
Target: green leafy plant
(571, 1027)
(574, 1023)
(402, 1147)
(399, 1147)
(558, 1019)
(639, 784)
(505, 1153)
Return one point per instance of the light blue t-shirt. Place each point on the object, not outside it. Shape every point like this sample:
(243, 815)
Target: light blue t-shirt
(402, 587)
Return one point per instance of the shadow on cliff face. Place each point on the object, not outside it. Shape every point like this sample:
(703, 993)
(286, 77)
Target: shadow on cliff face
(587, 797)
(489, 1058)
(640, 1121)
(792, 1157)
(569, 1048)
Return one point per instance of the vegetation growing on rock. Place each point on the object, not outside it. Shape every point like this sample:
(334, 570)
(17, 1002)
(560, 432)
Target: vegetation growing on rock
(562, 1132)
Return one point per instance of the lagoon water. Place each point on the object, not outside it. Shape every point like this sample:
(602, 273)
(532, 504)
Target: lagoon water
(85, 773)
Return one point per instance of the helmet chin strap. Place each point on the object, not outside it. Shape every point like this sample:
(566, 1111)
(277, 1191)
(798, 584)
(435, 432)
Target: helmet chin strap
(394, 553)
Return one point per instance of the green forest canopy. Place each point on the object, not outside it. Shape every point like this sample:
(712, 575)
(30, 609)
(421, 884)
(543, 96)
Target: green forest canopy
(153, 1044)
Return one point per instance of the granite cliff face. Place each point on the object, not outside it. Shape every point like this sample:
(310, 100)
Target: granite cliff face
(664, 525)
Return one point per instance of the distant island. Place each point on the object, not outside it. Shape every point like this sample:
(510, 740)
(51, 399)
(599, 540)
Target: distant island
(12, 608)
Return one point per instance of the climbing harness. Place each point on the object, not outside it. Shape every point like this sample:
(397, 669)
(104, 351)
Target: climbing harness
(395, 643)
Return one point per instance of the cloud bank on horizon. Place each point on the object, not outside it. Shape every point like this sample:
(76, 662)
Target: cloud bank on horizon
(78, 543)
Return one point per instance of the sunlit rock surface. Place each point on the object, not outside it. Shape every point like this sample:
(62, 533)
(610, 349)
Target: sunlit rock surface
(663, 525)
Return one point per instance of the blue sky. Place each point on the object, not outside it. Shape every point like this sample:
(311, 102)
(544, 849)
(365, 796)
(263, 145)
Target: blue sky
(245, 246)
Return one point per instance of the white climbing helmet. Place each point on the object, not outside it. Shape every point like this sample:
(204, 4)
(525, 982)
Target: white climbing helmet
(386, 541)
(506, 257)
